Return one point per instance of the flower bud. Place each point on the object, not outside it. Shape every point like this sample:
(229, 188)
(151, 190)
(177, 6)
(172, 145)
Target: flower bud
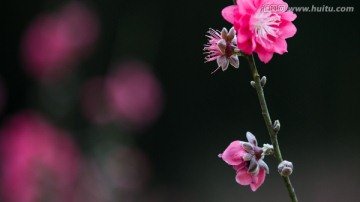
(268, 149)
(252, 83)
(285, 168)
(276, 126)
(263, 81)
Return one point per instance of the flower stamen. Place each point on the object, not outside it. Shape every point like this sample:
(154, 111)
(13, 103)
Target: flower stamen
(266, 24)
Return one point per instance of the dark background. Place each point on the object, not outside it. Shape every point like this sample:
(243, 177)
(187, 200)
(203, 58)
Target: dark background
(313, 90)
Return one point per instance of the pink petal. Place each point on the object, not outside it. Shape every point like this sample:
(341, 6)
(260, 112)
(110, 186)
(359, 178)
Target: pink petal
(228, 14)
(244, 44)
(233, 153)
(253, 42)
(243, 36)
(278, 2)
(243, 177)
(257, 3)
(264, 56)
(258, 180)
(288, 15)
(246, 7)
(287, 29)
(246, 47)
(280, 46)
(241, 166)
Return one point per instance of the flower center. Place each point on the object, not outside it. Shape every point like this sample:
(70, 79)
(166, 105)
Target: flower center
(258, 153)
(229, 50)
(266, 23)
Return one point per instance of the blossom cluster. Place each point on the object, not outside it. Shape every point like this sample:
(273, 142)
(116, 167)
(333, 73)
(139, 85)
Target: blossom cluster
(255, 30)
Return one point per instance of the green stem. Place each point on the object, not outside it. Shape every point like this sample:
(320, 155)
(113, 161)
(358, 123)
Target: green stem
(269, 124)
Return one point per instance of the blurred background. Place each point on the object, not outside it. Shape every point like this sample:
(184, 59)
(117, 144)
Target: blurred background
(110, 101)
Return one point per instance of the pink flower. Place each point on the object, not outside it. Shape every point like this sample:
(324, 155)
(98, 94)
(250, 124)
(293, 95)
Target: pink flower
(221, 47)
(247, 159)
(134, 93)
(38, 162)
(260, 29)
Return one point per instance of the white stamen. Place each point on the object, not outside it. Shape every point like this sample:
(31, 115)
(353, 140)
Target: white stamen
(266, 24)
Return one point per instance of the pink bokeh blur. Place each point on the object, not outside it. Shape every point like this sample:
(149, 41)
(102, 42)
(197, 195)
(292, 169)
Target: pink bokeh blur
(83, 26)
(121, 174)
(129, 169)
(54, 43)
(38, 161)
(94, 103)
(130, 93)
(134, 93)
